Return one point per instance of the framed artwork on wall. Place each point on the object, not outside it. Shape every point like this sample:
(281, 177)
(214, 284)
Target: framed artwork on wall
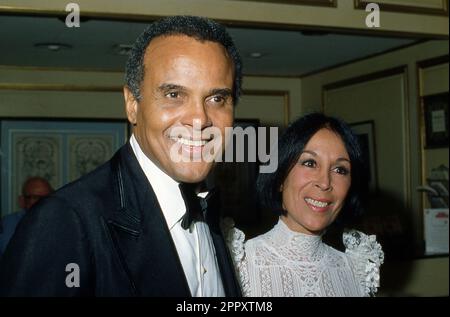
(435, 108)
(57, 150)
(366, 135)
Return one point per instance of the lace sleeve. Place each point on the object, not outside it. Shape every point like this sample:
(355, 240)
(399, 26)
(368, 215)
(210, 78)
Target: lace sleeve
(234, 239)
(367, 256)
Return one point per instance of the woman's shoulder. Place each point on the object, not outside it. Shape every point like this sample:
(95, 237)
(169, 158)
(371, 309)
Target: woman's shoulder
(366, 255)
(234, 238)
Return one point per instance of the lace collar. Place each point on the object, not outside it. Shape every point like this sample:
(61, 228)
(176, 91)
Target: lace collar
(300, 246)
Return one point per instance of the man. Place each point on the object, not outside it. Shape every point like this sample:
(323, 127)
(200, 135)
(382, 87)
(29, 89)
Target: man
(122, 230)
(33, 189)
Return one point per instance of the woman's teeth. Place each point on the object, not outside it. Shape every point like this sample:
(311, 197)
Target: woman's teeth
(316, 203)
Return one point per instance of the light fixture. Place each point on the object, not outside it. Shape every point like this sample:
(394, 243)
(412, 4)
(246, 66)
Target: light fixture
(123, 49)
(54, 47)
(256, 55)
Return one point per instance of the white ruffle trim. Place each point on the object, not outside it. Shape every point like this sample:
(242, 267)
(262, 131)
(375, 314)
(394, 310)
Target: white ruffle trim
(367, 255)
(235, 238)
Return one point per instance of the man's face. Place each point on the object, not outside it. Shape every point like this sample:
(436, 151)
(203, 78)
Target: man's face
(187, 86)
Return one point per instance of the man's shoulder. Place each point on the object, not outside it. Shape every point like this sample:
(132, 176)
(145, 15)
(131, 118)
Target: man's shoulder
(86, 194)
(13, 218)
(95, 179)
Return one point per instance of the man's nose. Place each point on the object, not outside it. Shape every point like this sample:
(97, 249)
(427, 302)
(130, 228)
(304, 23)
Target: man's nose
(197, 115)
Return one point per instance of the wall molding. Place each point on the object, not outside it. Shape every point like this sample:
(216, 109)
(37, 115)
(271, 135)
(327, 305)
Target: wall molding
(366, 77)
(317, 3)
(404, 8)
(59, 87)
(283, 93)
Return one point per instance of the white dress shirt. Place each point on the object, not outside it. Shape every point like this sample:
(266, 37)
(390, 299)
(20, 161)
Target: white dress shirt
(195, 247)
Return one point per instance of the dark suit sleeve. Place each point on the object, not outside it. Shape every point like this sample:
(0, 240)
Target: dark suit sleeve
(49, 238)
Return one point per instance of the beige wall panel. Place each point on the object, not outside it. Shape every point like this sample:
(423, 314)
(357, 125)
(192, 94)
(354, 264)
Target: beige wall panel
(382, 101)
(47, 76)
(435, 158)
(270, 110)
(312, 85)
(61, 104)
(434, 80)
(422, 277)
(279, 84)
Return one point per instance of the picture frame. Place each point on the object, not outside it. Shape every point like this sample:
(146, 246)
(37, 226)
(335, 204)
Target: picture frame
(321, 3)
(365, 132)
(435, 109)
(57, 150)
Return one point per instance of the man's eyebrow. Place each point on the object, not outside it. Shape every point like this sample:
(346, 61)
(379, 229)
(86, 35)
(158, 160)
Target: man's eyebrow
(165, 87)
(225, 92)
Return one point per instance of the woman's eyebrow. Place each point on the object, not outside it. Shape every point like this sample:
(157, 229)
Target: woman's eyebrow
(309, 152)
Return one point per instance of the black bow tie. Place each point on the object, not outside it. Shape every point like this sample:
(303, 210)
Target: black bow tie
(196, 206)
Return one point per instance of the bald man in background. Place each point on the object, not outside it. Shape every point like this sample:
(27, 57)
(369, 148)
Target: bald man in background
(34, 189)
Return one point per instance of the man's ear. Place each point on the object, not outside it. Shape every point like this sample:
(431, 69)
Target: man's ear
(131, 105)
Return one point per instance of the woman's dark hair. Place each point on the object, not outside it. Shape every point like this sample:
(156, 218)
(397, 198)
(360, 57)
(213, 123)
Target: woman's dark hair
(199, 28)
(291, 145)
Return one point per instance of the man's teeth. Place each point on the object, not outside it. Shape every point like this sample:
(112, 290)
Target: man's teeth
(191, 142)
(316, 203)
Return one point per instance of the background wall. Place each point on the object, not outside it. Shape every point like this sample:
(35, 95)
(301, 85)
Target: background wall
(360, 92)
(339, 14)
(432, 80)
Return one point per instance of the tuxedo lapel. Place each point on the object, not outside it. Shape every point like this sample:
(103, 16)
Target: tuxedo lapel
(140, 233)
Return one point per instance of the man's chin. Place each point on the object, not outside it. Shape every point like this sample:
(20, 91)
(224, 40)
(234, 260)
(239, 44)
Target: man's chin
(192, 172)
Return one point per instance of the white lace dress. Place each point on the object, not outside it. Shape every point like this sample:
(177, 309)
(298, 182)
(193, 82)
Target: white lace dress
(285, 263)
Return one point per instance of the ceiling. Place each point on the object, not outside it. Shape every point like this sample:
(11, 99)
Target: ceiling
(94, 45)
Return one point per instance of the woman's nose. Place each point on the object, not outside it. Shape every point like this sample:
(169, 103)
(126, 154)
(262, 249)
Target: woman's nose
(323, 181)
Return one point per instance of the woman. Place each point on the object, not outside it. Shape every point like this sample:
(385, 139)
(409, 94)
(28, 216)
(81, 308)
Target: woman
(319, 181)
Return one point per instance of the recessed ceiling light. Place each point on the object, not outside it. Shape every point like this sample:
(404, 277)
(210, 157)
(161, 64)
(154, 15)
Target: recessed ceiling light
(255, 55)
(54, 47)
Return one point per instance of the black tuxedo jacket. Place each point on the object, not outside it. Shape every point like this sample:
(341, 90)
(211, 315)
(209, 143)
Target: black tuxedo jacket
(109, 224)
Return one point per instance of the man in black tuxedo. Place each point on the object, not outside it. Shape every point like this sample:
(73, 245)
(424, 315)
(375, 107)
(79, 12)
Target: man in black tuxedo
(122, 230)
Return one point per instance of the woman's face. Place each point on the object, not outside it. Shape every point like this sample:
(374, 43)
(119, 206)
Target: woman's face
(315, 189)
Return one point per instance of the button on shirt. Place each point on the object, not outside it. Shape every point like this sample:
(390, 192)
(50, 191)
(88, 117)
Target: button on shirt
(195, 247)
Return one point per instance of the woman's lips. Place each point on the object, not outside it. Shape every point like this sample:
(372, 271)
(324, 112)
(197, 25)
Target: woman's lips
(317, 205)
